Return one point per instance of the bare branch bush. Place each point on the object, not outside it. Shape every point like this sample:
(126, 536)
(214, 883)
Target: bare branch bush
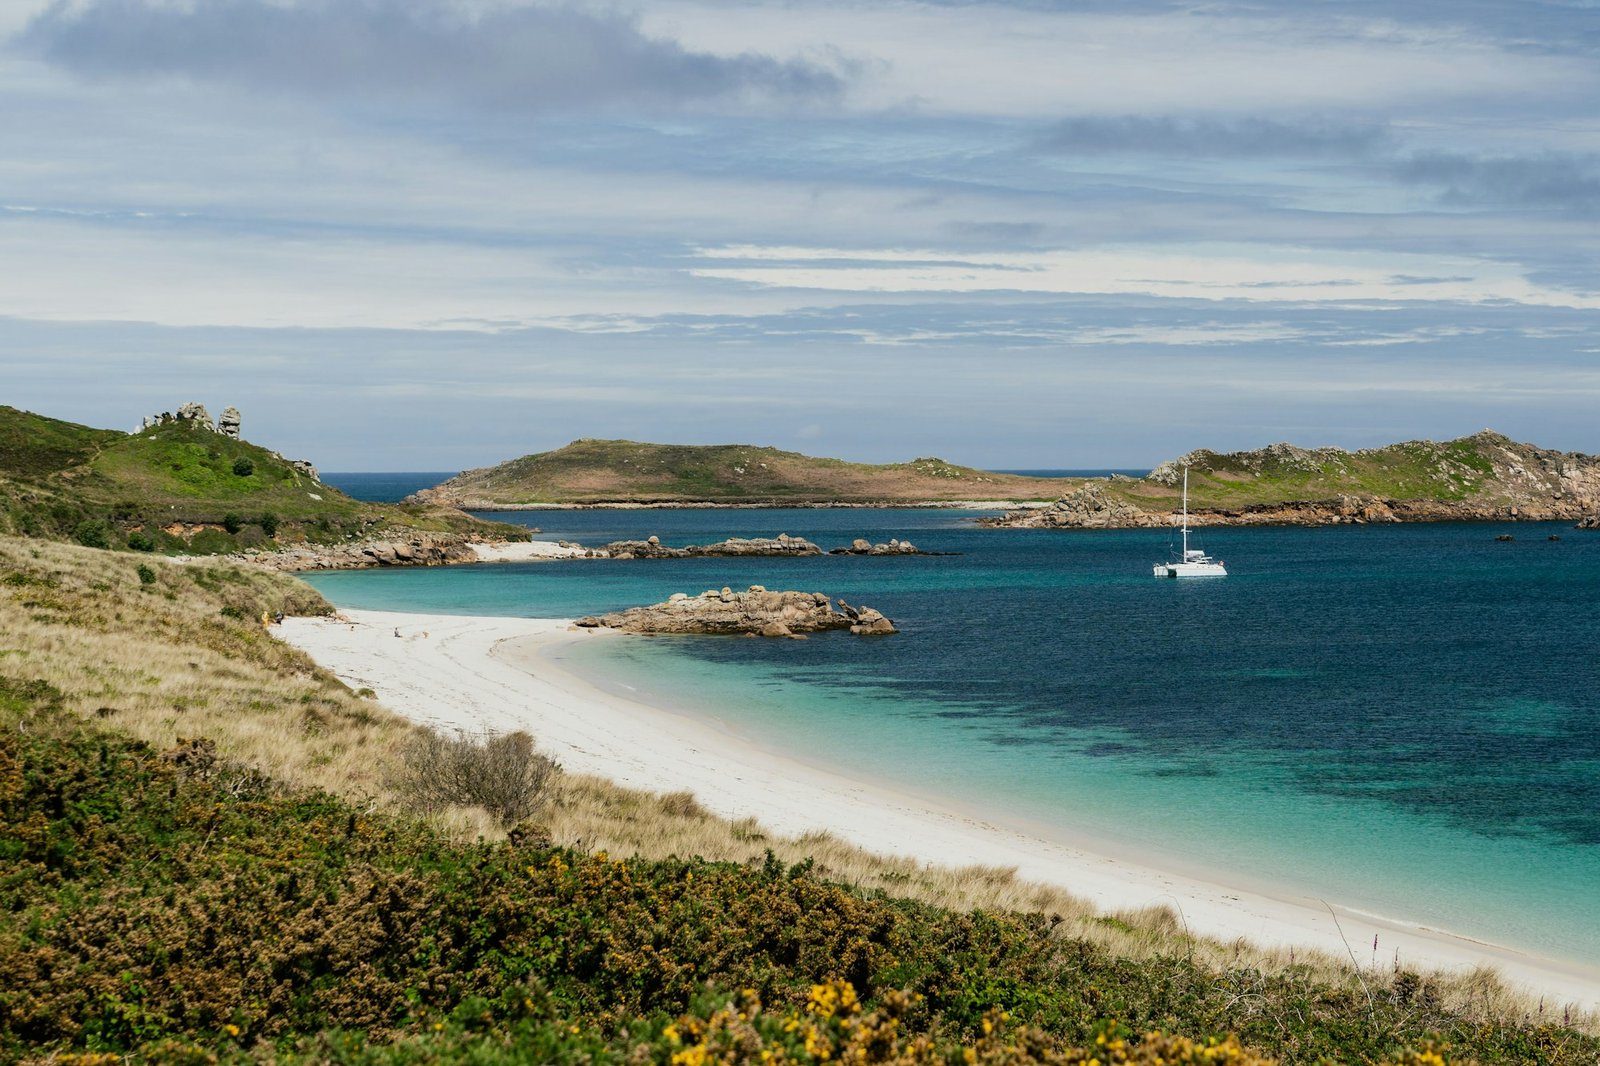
(505, 774)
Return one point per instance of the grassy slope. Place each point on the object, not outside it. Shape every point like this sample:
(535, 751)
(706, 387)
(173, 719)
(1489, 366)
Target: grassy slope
(186, 904)
(616, 470)
(1454, 470)
(101, 487)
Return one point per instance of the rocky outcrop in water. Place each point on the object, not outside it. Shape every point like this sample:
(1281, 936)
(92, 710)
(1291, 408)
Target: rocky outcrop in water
(862, 546)
(733, 547)
(754, 612)
(1590, 521)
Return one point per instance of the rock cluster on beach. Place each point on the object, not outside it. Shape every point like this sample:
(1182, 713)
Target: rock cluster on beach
(754, 612)
(782, 544)
(422, 549)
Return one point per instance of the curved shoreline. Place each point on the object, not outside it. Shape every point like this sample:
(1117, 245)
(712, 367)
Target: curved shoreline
(474, 673)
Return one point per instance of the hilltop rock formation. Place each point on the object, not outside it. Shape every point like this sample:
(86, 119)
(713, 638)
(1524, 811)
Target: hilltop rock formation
(782, 544)
(193, 413)
(228, 424)
(755, 612)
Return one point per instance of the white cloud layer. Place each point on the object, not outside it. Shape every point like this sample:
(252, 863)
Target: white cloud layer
(700, 219)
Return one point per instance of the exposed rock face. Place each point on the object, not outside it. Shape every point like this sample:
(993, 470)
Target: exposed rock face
(228, 424)
(1089, 507)
(193, 413)
(782, 544)
(866, 622)
(303, 466)
(754, 611)
(1590, 521)
(422, 549)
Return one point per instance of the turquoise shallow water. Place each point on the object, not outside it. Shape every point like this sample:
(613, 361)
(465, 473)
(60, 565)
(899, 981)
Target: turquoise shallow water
(1405, 720)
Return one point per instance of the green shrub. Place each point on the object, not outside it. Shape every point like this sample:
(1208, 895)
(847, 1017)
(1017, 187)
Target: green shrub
(269, 524)
(232, 522)
(147, 576)
(243, 467)
(140, 541)
(212, 542)
(93, 533)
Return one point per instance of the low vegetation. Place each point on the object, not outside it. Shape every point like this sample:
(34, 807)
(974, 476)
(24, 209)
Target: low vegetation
(1448, 471)
(180, 488)
(203, 858)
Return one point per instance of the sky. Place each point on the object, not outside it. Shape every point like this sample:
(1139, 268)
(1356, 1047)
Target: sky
(437, 234)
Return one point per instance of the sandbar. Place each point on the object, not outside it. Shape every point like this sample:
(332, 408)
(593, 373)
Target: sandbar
(489, 673)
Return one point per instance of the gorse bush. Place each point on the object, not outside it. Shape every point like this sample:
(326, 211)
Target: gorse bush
(504, 774)
(243, 466)
(154, 906)
(93, 533)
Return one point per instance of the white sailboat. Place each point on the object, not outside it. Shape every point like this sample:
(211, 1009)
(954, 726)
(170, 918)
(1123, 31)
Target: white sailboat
(1194, 563)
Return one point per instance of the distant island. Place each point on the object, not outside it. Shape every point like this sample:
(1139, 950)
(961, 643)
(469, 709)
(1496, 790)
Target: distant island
(1484, 477)
(598, 472)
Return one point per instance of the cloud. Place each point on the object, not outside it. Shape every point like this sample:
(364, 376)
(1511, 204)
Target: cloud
(1194, 270)
(1549, 180)
(1214, 137)
(523, 59)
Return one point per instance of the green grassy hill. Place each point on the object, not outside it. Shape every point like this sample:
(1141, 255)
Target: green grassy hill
(1483, 477)
(612, 471)
(176, 487)
(1451, 470)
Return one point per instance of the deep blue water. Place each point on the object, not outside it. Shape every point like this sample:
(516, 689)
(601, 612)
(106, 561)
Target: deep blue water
(1099, 472)
(1404, 719)
(385, 486)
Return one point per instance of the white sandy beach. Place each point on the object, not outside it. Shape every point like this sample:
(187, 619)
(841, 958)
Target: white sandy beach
(479, 673)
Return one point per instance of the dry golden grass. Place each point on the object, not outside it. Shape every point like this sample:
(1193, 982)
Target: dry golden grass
(161, 661)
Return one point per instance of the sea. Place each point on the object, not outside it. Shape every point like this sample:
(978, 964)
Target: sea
(1403, 720)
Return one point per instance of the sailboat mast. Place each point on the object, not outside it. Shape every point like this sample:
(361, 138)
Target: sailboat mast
(1186, 514)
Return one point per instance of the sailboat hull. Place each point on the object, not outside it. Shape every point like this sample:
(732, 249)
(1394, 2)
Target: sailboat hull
(1190, 570)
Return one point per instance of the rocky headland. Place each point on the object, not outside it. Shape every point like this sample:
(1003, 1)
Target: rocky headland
(1484, 477)
(754, 612)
